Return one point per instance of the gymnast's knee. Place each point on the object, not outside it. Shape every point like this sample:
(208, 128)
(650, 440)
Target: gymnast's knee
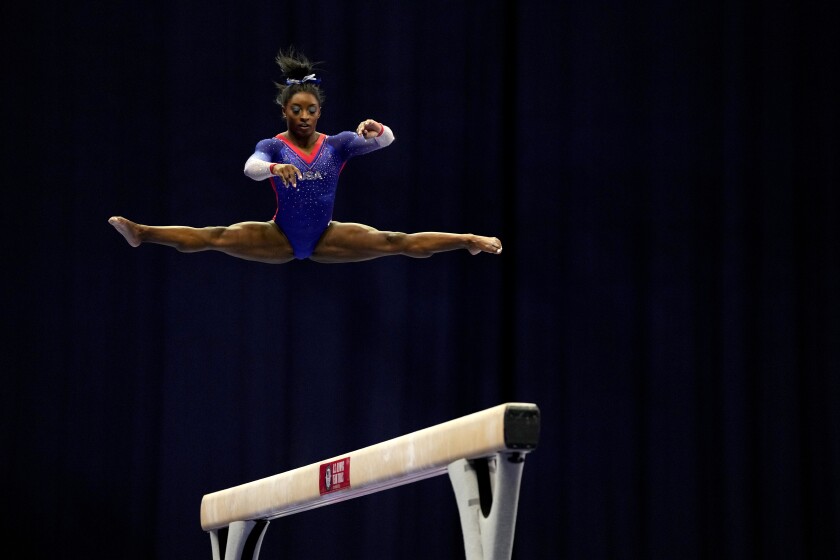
(395, 239)
(407, 244)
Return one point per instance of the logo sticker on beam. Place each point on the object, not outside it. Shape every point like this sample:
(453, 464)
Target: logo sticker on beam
(334, 476)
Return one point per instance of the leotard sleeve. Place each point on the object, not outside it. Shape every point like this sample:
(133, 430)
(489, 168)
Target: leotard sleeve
(386, 137)
(350, 144)
(258, 166)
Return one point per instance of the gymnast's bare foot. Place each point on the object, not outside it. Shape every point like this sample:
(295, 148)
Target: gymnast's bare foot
(477, 243)
(127, 228)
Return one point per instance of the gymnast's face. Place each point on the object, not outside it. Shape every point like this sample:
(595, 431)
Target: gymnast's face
(302, 113)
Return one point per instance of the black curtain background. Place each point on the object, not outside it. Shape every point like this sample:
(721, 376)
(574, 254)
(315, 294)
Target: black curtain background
(664, 179)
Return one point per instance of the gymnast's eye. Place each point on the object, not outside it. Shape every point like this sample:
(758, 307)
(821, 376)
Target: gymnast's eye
(313, 109)
(296, 109)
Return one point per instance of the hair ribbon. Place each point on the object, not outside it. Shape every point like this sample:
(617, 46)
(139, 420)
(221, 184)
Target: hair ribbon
(309, 78)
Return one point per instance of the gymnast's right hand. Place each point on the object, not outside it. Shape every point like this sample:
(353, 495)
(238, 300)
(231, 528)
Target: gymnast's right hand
(287, 172)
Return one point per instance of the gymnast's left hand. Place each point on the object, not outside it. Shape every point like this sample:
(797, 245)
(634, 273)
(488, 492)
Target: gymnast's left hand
(369, 128)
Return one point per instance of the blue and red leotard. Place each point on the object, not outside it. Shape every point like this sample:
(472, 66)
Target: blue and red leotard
(305, 211)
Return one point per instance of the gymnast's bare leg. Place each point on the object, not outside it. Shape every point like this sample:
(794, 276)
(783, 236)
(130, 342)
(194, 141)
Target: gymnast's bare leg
(351, 242)
(253, 241)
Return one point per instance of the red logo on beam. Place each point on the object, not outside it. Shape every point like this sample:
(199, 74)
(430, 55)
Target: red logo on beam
(334, 476)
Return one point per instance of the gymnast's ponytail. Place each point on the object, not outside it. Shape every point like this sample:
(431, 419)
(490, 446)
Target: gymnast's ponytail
(298, 75)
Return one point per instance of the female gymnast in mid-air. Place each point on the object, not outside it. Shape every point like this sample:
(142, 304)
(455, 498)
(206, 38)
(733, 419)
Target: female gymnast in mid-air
(303, 166)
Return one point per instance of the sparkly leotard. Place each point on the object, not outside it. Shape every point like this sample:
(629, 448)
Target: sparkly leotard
(305, 211)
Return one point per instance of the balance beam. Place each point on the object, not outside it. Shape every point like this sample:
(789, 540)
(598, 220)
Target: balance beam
(483, 453)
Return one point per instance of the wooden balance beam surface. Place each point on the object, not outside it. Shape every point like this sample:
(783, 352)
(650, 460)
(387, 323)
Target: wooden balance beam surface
(512, 427)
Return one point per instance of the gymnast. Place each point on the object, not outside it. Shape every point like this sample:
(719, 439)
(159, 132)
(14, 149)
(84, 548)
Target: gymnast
(303, 166)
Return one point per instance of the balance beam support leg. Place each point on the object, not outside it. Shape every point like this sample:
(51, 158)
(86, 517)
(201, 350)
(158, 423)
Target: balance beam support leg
(487, 493)
(241, 540)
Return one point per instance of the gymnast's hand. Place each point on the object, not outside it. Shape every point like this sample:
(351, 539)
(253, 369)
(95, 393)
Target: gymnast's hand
(287, 172)
(369, 128)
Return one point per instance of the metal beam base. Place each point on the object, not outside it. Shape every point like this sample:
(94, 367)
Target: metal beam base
(241, 540)
(487, 492)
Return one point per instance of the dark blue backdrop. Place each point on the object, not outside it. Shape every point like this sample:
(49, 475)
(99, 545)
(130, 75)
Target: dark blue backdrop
(664, 179)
